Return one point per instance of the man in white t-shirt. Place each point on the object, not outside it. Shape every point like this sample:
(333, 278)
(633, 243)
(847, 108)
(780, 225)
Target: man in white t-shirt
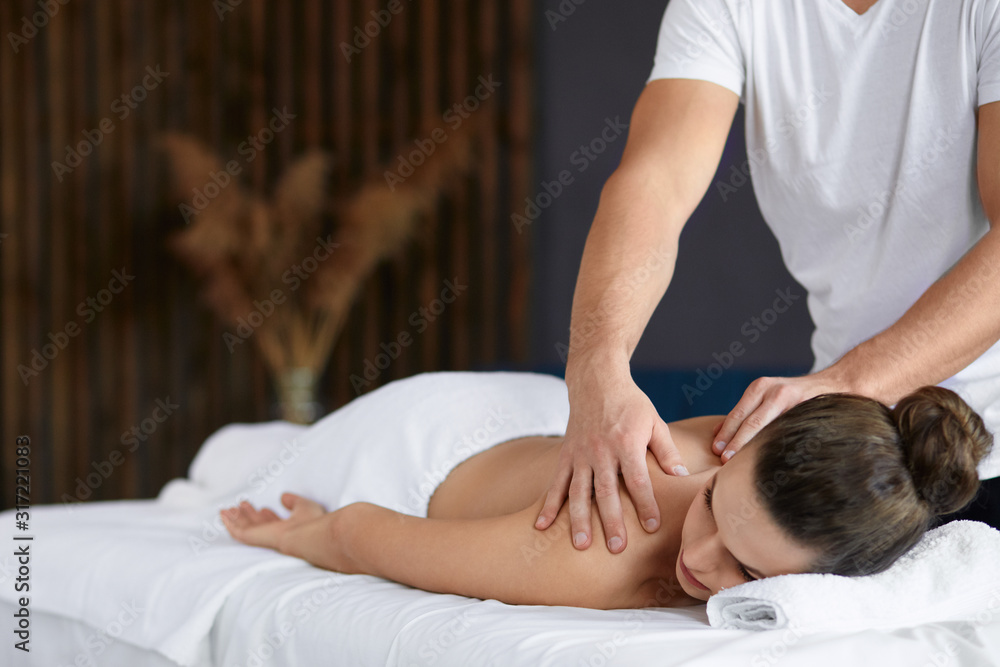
(873, 136)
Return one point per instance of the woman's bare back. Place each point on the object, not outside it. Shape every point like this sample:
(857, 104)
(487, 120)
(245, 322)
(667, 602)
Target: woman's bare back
(513, 476)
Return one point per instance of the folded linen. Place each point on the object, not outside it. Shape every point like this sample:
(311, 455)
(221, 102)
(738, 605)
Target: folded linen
(951, 574)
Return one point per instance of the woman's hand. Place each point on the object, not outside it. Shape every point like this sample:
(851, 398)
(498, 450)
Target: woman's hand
(264, 528)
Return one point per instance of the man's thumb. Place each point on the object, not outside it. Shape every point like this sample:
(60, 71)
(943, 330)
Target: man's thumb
(662, 445)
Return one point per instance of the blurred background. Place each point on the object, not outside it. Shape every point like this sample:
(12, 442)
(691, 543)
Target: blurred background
(242, 210)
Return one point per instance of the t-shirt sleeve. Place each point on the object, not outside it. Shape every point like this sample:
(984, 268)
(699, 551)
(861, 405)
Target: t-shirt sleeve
(699, 40)
(988, 41)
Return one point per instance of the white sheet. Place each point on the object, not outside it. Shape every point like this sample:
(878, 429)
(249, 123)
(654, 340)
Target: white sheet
(374, 622)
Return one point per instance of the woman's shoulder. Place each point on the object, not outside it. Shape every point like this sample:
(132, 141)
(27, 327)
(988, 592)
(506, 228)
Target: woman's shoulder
(693, 438)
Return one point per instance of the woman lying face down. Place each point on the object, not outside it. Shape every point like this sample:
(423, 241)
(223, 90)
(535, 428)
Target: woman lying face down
(838, 484)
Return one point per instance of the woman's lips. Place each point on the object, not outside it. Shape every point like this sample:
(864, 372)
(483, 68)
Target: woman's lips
(687, 573)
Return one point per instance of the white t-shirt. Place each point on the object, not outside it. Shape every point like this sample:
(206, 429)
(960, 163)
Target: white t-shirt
(861, 137)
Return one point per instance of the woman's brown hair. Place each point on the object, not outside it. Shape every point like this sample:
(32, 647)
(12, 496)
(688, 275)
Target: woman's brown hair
(860, 482)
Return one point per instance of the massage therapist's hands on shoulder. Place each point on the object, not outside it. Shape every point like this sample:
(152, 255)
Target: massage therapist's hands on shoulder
(611, 424)
(765, 399)
(676, 136)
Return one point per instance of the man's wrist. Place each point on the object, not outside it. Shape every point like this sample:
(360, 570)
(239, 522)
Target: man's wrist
(852, 373)
(601, 361)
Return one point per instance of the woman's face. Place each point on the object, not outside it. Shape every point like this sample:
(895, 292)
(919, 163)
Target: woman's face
(736, 540)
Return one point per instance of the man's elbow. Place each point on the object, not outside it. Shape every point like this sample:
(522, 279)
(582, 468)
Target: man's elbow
(649, 192)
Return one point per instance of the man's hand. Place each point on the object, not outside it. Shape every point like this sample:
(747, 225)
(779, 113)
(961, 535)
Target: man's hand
(611, 424)
(765, 399)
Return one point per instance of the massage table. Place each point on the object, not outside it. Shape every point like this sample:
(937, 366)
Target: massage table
(159, 582)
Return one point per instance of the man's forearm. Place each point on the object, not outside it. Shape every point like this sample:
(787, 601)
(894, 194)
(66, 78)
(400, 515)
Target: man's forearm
(951, 325)
(627, 264)
(676, 137)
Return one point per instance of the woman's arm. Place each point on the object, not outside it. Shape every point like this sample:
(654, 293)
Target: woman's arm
(502, 558)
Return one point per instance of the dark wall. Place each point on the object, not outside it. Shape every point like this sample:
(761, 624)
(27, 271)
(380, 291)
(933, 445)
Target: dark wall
(592, 66)
(108, 78)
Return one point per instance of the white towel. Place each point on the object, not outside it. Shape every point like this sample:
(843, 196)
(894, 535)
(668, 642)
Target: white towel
(953, 573)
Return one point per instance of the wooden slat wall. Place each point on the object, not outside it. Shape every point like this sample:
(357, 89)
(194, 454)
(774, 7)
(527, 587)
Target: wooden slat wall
(156, 340)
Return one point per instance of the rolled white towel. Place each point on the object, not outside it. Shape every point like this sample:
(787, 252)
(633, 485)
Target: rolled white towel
(953, 573)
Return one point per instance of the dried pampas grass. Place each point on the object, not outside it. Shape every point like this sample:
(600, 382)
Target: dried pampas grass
(241, 245)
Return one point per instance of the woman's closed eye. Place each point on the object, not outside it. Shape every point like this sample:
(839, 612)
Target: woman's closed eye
(708, 503)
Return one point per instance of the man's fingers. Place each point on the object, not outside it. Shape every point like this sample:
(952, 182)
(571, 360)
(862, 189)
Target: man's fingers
(752, 425)
(610, 506)
(555, 497)
(579, 506)
(663, 448)
(636, 476)
(734, 420)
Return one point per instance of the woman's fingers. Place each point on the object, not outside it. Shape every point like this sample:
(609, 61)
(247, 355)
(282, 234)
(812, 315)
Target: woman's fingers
(301, 506)
(253, 527)
(245, 515)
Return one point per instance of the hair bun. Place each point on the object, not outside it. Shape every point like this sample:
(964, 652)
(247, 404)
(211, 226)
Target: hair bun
(943, 440)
